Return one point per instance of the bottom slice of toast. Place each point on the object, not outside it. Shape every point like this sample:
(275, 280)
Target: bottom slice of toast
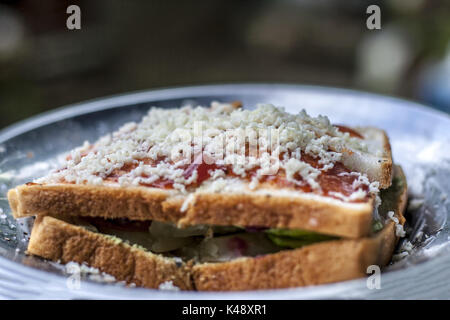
(60, 241)
(319, 263)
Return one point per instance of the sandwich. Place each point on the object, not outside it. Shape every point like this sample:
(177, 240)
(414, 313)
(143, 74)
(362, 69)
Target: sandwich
(222, 198)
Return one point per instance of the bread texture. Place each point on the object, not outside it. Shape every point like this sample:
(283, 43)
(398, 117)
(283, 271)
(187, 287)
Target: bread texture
(60, 241)
(319, 263)
(327, 216)
(378, 165)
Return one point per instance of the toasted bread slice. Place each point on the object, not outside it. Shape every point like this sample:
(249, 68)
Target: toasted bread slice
(324, 262)
(232, 202)
(60, 241)
(329, 216)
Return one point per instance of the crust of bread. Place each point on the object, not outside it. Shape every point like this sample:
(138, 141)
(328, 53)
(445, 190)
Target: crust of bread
(60, 241)
(382, 171)
(319, 263)
(314, 264)
(385, 178)
(140, 203)
(351, 221)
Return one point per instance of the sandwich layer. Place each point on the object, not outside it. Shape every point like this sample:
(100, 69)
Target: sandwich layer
(60, 241)
(326, 177)
(324, 262)
(300, 211)
(320, 263)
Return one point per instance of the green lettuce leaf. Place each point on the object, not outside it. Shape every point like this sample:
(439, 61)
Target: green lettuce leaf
(296, 238)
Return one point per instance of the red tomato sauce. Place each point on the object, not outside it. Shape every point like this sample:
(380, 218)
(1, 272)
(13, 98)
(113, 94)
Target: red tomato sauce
(352, 132)
(329, 181)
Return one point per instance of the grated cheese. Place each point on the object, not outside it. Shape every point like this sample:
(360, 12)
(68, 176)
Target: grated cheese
(399, 231)
(169, 286)
(357, 195)
(214, 135)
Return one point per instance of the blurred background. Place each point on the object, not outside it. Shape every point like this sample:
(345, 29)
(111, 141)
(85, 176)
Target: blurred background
(126, 45)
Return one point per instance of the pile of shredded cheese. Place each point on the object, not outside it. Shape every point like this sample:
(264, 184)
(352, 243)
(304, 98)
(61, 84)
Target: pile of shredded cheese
(223, 132)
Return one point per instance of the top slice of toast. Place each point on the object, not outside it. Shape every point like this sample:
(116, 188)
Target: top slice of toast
(325, 178)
